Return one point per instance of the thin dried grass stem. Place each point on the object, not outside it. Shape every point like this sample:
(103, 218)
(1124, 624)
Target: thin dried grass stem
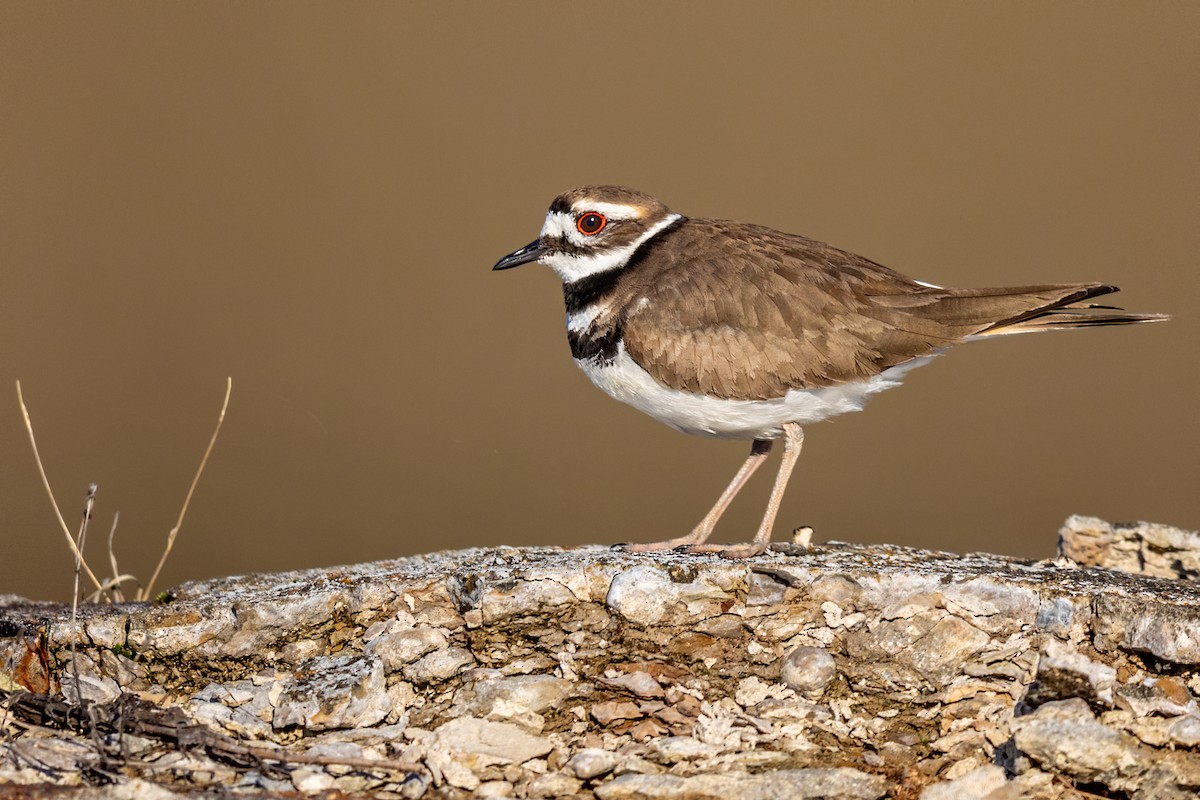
(46, 482)
(146, 593)
(115, 580)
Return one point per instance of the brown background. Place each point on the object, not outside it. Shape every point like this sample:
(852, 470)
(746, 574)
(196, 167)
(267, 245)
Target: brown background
(309, 198)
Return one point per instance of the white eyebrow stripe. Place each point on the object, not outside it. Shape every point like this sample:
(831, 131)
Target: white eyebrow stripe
(610, 210)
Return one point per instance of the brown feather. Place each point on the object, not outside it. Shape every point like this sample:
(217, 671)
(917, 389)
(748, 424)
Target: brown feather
(744, 312)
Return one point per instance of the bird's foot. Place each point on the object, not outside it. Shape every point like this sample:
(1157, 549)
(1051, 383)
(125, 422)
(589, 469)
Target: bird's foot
(736, 551)
(658, 547)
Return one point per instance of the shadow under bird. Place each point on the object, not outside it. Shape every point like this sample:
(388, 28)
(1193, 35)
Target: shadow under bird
(738, 331)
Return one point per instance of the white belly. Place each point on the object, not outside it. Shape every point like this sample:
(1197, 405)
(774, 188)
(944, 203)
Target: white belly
(733, 419)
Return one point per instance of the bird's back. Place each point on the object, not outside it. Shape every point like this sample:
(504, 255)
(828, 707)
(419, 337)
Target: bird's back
(744, 312)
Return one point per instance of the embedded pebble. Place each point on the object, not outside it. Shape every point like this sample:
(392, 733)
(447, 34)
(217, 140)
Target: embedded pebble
(592, 762)
(808, 670)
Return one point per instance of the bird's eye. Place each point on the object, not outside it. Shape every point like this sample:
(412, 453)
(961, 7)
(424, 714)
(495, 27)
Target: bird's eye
(591, 223)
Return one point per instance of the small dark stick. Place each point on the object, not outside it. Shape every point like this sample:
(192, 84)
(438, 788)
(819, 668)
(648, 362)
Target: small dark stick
(89, 503)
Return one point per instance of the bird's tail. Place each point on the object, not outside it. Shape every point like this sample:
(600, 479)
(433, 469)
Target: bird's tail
(1070, 310)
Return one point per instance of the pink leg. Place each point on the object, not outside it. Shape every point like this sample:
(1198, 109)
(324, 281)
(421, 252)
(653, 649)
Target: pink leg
(758, 453)
(792, 442)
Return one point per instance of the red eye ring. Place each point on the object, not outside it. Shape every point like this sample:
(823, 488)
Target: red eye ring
(591, 222)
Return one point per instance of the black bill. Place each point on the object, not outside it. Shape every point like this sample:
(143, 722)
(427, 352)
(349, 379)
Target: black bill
(530, 252)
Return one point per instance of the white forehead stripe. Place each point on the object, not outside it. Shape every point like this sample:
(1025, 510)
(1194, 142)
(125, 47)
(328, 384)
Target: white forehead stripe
(558, 225)
(571, 268)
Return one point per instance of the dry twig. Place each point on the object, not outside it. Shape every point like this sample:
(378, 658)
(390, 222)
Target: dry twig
(129, 714)
(145, 594)
(88, 504)
(112, 586)
(46, 482)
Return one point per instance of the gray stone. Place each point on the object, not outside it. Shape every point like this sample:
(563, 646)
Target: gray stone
(311, 780)
(645, 595)
(396, 650)
(500, 740)
(983, 783)
(1185, 731)
(553, 784)
(1156, 625)
(507, 697)
(1144, 548)
(592, 762)
(334, 692)
(1066, 737)
(525, 597)
(797, 784)
(637, 682)
(932, 645)
(439, 665)
(1060, 662)
(673, 749)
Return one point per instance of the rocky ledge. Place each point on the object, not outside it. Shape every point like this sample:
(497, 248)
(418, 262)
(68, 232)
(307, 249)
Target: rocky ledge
(836, 671)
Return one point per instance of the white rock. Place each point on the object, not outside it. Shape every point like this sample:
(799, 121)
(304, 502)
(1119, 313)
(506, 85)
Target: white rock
(553, 784)
(135, 789)
(795, 784)
(509, 697)
(500, 740)
(91, 687)
(673, 749)
(1185, 731)
(398, 649)
(753, 690)
(646, 594)
(1066, 736)
(1100, 677)
(975, 785)
(334, 692)
(525, 597)
(591, 762)
(311, 780)
(439, 665)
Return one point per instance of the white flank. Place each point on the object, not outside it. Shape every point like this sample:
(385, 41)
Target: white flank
(571, 268)
(733, 419)
(928, 285)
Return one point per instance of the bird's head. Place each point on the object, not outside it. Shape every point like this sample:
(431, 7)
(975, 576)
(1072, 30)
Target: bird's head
(592, 229)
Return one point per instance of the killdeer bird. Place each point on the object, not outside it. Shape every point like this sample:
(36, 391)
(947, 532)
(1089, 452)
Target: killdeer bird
(738, 331)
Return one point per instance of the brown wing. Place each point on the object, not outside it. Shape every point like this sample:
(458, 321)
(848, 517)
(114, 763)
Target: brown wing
(744, 312)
